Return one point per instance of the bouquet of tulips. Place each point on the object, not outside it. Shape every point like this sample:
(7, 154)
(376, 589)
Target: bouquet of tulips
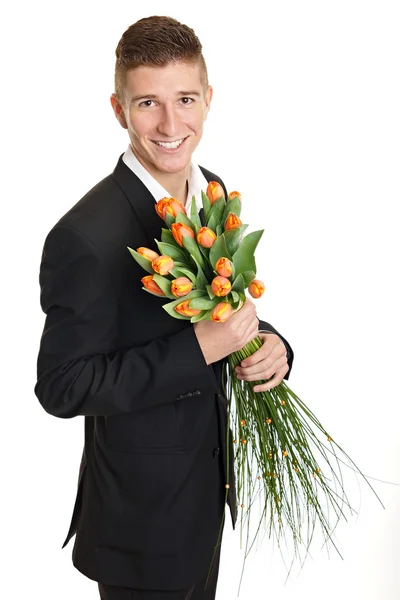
(281, 450)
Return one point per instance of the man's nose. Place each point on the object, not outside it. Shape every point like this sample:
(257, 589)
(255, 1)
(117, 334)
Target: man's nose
(169, 122)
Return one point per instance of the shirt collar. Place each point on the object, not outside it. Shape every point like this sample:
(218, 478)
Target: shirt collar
(197, 181)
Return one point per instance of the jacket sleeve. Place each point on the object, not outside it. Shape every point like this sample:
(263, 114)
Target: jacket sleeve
(79, 371)
(264, 326)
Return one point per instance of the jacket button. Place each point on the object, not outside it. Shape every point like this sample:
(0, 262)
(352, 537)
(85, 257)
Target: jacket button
(180, 397)
(189, 395)
(215, 452)
(196, 393)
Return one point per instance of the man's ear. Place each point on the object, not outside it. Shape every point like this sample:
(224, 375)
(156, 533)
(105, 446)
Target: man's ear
(208, 99)
(118, 111)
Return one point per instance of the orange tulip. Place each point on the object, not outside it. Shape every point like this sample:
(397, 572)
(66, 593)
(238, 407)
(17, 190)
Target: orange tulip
(181, 286)
(223, 266)
(220, 286)
(183, 308)
(256, 288)
(233, 195)
(232, 222)
(221, 312)
(206, 237)
(214, 191)
(179, 230)
(169, 205)
(151, 285)
(147, 253)
(163, 264)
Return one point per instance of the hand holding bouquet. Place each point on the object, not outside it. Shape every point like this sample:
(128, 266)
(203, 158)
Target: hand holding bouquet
(282, 452)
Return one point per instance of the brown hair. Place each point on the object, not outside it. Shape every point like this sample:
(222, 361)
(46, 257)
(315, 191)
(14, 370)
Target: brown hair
(156, 41)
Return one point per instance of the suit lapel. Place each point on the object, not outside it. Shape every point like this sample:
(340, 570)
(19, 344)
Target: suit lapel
(141, 201)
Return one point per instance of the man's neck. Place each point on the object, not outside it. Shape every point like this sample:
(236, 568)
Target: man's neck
(176, 184)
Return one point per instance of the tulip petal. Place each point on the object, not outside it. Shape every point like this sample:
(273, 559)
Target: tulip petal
(145, 263)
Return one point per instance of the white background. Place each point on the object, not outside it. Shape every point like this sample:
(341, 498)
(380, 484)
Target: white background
(305, 122)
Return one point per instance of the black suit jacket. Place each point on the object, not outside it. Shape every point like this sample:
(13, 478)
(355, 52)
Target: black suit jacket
(151, 487)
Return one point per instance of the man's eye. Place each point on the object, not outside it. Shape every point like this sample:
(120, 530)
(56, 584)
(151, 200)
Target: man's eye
(187, 100)
(146, 103)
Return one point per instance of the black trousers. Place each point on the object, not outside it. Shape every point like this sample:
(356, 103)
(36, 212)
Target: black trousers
(195, 592)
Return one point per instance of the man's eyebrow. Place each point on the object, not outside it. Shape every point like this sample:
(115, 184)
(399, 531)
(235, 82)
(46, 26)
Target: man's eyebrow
(153, 96)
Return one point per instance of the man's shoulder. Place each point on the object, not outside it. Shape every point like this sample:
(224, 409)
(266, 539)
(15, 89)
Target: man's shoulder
(104, 209)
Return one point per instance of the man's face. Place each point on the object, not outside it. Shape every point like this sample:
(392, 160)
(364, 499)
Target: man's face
(164, 109)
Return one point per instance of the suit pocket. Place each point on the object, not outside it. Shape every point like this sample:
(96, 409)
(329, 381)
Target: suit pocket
(154, 430)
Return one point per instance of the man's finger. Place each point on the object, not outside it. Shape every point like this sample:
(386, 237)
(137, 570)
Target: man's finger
(276, 380)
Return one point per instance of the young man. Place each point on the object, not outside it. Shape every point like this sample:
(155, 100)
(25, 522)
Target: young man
(152, 479)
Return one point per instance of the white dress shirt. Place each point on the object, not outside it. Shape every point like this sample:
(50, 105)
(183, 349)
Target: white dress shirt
(197, 181)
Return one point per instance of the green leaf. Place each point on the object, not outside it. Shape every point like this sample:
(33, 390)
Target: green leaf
(191, 246)
(201, 279)
(205, 252)
(183, 272)
(170, 306)
(212, 222)
(182, 218)
(169, 219)
(168, 238)
(248, 277)
(219, 230)
(243, 259)
(218, 250)
(238, 284)
(194, 216)
(204, 303)
(164, 284)
(233, 238)
(207, 315)
(199, 317)
(172, 251)
(232, 206)
(235, 296)
(145, 263)
(217, 209)
(206, 204)
(210, 293)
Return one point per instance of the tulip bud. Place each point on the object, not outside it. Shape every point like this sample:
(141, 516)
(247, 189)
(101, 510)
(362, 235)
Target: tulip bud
(256, 288)
(206, 237)
(147, 253)
(184, 309)
(214, 191)
(151, 285)
(169, 205)
(181, 286)
(163, 264)
(223, 266)
(220, 286)
(233, 195)
(221, 312)
(179, 230)
(232, 222)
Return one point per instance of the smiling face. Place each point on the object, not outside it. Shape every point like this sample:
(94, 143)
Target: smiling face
(164, 109)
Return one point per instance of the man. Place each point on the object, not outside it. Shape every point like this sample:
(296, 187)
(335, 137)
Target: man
(151, 489)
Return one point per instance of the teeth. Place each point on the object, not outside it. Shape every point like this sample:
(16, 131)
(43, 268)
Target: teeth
(170, 144)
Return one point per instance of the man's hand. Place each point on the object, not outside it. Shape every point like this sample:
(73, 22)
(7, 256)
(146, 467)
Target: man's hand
(217, 340)
(268, 360)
